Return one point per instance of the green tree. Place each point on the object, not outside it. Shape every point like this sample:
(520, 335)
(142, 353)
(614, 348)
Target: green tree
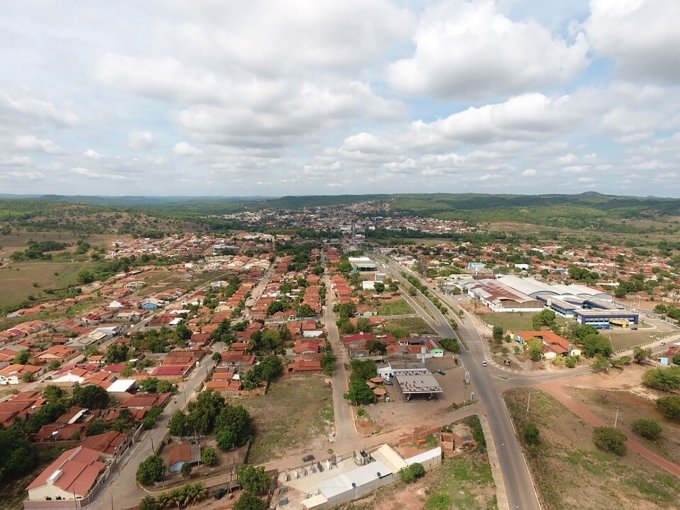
(649, 429)
(379, 287)
(164, 386)
(364, 325)
(217, 357)
(376, 346)
(535, 348)
(90, 396)
(544, 318)
(600, 364)
(18, 457)
(610, 439)
(451, 345)
(595, 343)
(186, 470)
(22, 357)
(531, 434)
(328, 360)
(204, 411)
(670, 407)
(209, 456)
(304, 310)
(53, 393)
(249, 501)
(117, 353)
(85, 276)
(178, 425)
(254, 479)
(234, 427)
(151, 470)
(498, 333)
(359, 393)
(640, 354)
(270, 368)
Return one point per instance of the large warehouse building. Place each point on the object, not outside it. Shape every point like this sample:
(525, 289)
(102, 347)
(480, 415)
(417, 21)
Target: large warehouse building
(586, 305)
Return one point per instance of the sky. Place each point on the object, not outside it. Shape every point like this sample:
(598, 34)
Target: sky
(271, 98)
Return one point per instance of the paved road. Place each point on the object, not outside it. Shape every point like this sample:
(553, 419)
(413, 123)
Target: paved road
(345, 431)
(122, 491)
(516, 476)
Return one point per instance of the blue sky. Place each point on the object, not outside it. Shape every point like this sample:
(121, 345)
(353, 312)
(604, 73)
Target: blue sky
(215, 97)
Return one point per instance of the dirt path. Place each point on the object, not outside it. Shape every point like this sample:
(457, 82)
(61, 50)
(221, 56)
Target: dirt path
(558, 390)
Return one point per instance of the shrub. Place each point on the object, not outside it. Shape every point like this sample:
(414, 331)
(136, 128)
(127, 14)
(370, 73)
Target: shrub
(649, 429)
(412, 473)
(209, 456)
(664, 379)
(532, 435)
(670, 407)
(610, 439)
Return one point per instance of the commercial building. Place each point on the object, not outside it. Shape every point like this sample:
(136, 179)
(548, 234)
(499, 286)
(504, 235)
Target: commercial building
(362, 264)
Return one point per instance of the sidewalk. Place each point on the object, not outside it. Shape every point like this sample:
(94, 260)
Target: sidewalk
(501, 496)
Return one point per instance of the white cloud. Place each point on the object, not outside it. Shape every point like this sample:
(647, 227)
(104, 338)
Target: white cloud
(186, 149)
(33, 143)
(529, 172)
(641, 36)
(469, 50)
(26, 104)
(93, 154)
(140, 140)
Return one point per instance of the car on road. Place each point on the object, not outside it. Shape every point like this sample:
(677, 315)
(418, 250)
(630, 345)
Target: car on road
(441, 372)
(308, 458)
(484, 363)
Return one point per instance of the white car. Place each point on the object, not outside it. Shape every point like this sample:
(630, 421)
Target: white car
(484, 363)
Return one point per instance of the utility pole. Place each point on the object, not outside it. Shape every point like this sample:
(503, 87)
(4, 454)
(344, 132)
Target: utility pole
(528, 400)
(616, 418)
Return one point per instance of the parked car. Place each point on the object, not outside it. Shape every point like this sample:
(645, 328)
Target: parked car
(441, 372)
(308, 458)
(220, 493)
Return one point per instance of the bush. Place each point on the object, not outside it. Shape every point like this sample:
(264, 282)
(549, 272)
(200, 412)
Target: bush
(209, 456)
(649, 429)
(186, 470)
(610, 439)
(477, 431)
(670, 407)
(412, 473)
(532, 435)
(664, 379)
(451, 345)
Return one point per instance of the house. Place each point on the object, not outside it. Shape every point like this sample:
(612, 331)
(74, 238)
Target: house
(180, 454)
(72, 476)
(305, 364)
(435, 350)
(171, 372)
(110, 444)
(553, 344)
(13, 374)
(58, 353)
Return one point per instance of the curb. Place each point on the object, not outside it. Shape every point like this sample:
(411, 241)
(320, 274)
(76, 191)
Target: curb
(501, 495)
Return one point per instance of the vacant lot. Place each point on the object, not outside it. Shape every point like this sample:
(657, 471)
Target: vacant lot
(521, 321)
(19, 240)
(626, 338)
(399, 307)
(411, 325)
(569, 472)
(604, 404)
(19, 280)
(462, 483)
(293, 414)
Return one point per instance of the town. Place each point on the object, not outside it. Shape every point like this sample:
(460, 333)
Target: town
(313, 356)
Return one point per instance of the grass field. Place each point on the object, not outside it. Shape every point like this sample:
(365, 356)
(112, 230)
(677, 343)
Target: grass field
(566, 453)
(520, 321)
(292, 414)
(411, 325)
(19, 240)
(18, 281)
(625, 339)
(400, 307)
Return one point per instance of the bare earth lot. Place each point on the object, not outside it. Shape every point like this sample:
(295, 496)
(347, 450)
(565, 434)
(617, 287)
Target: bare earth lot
(569, 472)
(295, 414)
